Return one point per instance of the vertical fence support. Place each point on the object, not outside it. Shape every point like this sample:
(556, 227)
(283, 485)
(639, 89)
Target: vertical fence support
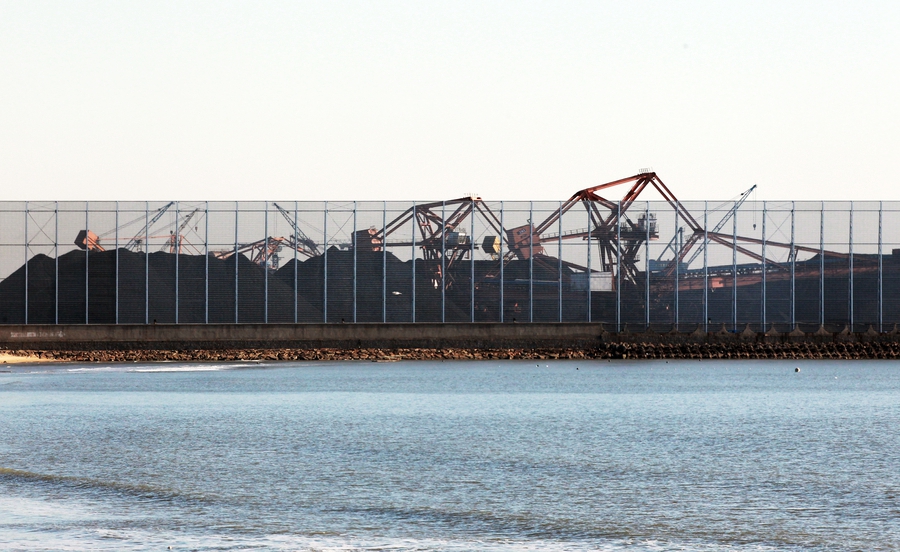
(415, 222)
(559, 280)
(472, 261)
(822, 265)
(676, 253)
(296, 269)
(443, 262)
(206, 263)
(56, 264)
(793, 257)
(383, 262)
(146, 262)
(734, 316)
(176, 243)
(502, 285)
(588, 263)
(706, 265)
(236, 283)
(647, 267)
(268, 244)
(87, 257)
(117, 262)
(530, 261)
(850, 275)
(880, 269)
(355, 248)
(763, 305)
(619, 267)
(325, 266)
(25, 240)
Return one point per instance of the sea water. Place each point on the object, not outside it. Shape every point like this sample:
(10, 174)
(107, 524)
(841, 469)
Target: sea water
(421, 456)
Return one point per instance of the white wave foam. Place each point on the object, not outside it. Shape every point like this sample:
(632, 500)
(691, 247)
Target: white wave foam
(88, 369)
(116, 539)
(185, 368)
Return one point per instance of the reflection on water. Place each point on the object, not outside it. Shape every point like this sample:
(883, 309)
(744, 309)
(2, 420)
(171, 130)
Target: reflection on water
(568, 455)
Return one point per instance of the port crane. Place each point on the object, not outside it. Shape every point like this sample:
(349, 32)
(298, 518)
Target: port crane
(176, 239)
(137, 241)
(440, 235)
(299, 241)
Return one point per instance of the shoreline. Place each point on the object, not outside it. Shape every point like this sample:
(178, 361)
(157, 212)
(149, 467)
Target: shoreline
(602, 351)
(22, 357)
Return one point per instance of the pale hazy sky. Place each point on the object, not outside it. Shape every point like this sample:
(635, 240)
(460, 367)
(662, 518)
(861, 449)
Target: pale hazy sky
(426, 100)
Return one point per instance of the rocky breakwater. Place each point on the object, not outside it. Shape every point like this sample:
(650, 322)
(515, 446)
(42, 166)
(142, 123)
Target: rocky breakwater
(722, 344)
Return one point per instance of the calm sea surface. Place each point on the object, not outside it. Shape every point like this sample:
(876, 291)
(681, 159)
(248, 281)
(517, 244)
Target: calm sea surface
(451, 456)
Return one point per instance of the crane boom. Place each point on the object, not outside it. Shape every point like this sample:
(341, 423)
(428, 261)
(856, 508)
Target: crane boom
(136, 241)
(721, 223)
(174, 242)
(306, 245)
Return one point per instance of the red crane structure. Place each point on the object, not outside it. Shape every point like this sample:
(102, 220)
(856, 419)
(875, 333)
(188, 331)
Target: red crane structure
(620, 238)
(440, 234)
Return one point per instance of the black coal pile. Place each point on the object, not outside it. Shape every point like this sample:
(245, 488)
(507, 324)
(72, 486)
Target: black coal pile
(383, 287)
(148, 291)
(342, 285)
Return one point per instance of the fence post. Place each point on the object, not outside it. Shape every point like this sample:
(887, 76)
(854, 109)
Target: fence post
(647, 267)
(822, 264)
(763, 306)
(117, 262)
(443, 263)
(531, 261)
(146, 262)
(472, 262)
(619, 267)
(87, 273)
(706, 266)
(266, 262)
(850, 276)
(25, 240)
(559, 283)
(793, 257)
(206, 263)
(296, 237)
(415, 222)
(880, 270)
(56, 264)
(355, 248)
(502, 285)
(588, 262)
(325, 267)
(734, 315)
(176, 243)
(383, 262)
(676, 253)
(236, 282)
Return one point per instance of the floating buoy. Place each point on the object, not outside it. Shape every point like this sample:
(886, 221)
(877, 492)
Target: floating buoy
(797, 369)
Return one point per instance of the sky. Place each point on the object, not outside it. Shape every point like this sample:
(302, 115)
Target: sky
(397, 100)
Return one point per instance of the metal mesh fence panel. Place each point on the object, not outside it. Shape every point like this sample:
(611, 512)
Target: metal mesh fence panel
(628, 265)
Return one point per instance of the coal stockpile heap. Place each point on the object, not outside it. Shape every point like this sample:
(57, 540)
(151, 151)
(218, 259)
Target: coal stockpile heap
(136, 297)
(139, 302)
(374, 286)
(372, 271)
(148, 287)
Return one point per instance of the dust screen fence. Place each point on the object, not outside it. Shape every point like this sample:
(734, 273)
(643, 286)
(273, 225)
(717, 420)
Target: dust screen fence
(707, 264)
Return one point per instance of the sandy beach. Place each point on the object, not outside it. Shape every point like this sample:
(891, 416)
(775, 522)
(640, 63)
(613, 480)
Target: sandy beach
(6, 358)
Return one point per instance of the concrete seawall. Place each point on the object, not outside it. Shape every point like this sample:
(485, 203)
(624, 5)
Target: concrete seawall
(431, 341)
